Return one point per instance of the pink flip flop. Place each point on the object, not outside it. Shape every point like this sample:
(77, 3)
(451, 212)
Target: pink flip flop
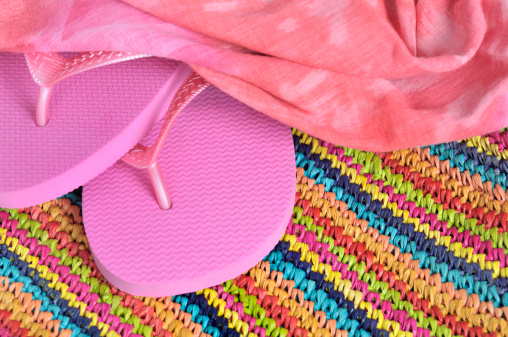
(94, 117)
(227, 175)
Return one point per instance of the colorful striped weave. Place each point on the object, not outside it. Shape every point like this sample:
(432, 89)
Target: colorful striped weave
(407, 243)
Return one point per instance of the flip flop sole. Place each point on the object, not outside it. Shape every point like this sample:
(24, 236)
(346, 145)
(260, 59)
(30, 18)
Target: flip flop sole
(230, 171)
(95, 118)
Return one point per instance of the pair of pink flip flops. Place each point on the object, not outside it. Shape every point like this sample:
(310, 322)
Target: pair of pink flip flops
(219, 183)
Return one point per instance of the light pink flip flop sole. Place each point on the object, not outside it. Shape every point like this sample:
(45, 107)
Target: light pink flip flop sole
(95, 118)
(230, 172)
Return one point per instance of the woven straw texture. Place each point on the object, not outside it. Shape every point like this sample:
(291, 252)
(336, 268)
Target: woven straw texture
(407, 243)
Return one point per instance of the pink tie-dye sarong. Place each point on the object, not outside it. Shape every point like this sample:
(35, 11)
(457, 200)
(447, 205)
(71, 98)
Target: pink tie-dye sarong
(369, 74)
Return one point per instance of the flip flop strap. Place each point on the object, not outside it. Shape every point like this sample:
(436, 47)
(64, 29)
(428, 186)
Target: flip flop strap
(143, 157)
(47, 69)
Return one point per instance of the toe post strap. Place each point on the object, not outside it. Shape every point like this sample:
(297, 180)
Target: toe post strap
(144, 157)
(47, 69)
